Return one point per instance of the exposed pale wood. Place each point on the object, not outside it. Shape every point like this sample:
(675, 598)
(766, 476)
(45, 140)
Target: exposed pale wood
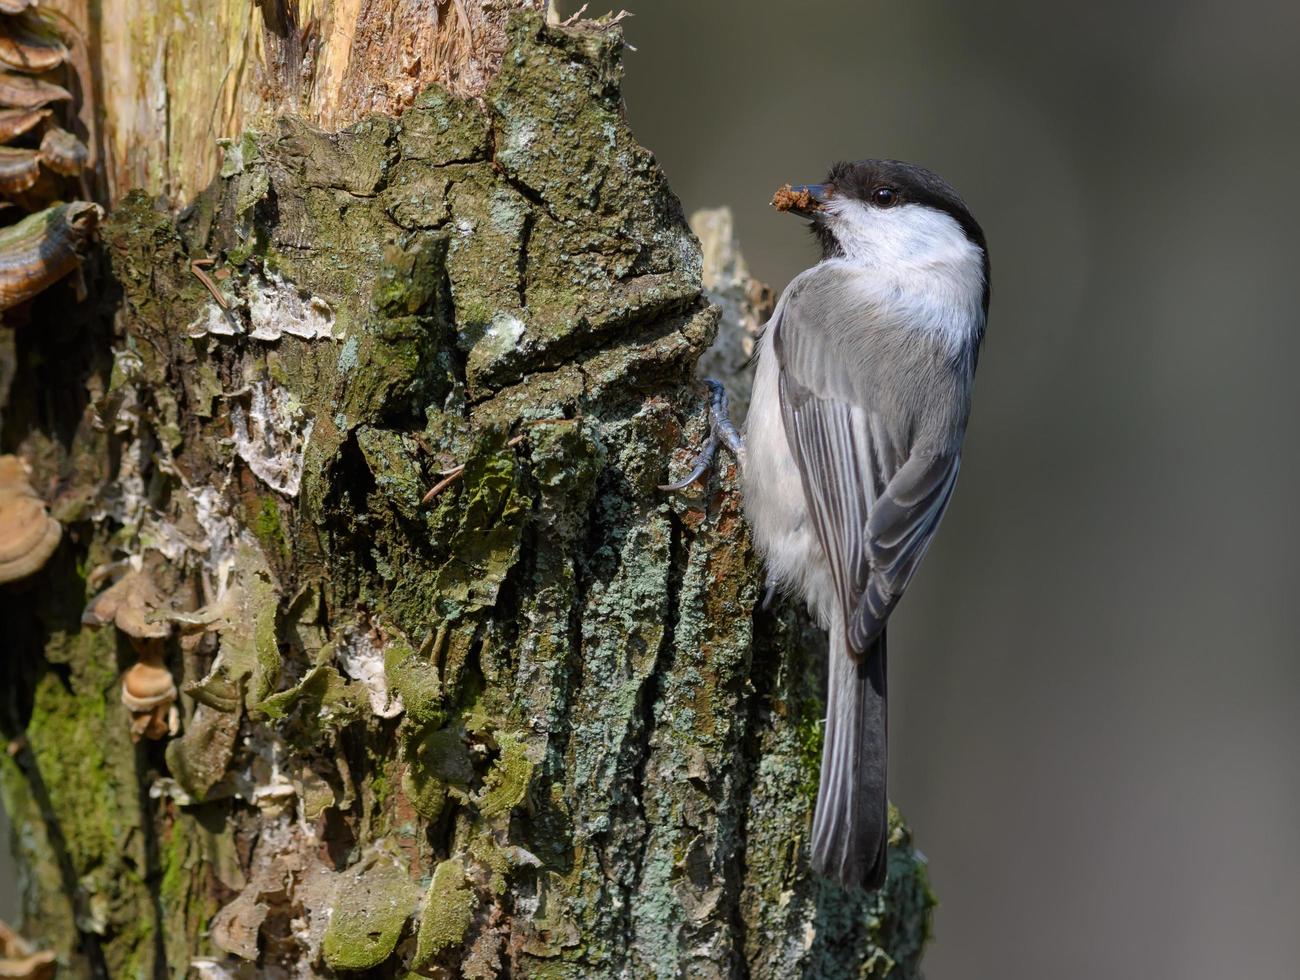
(172, 77)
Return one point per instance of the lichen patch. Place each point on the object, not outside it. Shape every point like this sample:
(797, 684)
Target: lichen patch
(271, 436)
(213, 321)
(360, 653)
(277, 307)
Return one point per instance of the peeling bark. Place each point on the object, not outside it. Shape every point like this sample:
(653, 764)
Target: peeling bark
(531, 728)
(170, 77)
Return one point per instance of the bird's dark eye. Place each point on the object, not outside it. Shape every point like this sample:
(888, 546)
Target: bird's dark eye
(883, 197)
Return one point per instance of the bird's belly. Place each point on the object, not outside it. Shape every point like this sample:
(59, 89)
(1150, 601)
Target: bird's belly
(774, 499)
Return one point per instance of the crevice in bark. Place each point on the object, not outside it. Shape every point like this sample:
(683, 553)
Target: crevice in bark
(152, 871)
(649, 699)
(525, 236)
(764, 668)
(642, 327)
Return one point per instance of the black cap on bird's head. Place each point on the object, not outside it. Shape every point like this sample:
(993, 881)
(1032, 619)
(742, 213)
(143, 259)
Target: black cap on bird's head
(880, 185)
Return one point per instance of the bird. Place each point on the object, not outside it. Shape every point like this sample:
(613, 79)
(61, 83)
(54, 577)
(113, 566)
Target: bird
(852, 443)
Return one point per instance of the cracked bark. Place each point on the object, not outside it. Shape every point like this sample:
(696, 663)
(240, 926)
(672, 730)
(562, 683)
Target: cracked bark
(605, 760)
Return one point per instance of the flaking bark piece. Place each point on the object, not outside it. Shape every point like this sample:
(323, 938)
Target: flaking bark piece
(43, 248)
(28, 45)
(131, 604)
(787, 198)
(28, 534)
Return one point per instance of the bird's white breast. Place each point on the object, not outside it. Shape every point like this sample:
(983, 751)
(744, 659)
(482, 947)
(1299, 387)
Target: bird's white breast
(774, 496)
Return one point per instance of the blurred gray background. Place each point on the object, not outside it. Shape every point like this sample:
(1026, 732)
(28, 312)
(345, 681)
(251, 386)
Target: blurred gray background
(1095, 709)
(1095, 693)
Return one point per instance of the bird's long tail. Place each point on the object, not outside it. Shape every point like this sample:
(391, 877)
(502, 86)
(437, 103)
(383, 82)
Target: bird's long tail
(851, 824)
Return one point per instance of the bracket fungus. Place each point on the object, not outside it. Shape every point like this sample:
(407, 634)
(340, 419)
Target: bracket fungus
(132, 604)
(15, 122)
(28, 534)
(28, 44)
(23, 92)
(42, 169)
(19, 169)
(43, 248)
(62, 152)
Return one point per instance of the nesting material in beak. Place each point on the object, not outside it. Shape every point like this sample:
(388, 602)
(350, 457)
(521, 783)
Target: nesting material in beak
(801, 199)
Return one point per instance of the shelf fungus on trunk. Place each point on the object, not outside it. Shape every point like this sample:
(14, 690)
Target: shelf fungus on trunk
(29, 44)
(19, 168)
(134, 605)
(43, 248)
(16, 122)
(25, 92)
(62, 152)
(28, 534)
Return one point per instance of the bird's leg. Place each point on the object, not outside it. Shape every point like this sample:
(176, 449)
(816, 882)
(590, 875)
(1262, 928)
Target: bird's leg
(721, 429)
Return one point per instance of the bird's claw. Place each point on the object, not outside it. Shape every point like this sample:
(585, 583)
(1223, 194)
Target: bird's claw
(721, 430)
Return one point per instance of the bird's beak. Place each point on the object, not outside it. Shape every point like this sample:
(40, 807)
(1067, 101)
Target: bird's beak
(804, 200)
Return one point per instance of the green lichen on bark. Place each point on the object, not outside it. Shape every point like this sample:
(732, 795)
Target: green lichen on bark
(448, 912)
(542, 692)
(371, 906)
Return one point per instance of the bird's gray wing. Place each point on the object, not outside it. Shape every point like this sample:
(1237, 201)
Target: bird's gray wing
(874, 504)
(899, 531)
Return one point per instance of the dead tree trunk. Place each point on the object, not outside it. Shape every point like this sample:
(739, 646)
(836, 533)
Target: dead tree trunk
(532, 726)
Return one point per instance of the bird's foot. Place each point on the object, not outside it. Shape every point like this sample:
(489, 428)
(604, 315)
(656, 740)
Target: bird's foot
(721, 430)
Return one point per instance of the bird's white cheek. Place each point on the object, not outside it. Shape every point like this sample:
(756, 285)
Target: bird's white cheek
(917, 262)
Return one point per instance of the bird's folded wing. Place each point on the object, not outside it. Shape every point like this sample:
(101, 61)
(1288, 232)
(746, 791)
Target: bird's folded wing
(874, 508)
(899, 531)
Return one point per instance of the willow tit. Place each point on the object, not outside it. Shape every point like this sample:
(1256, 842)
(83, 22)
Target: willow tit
(852, 445)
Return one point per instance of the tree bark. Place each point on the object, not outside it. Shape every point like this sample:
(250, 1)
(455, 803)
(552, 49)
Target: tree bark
(531, 727)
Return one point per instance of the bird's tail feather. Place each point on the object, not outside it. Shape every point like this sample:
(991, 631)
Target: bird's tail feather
(851, 824)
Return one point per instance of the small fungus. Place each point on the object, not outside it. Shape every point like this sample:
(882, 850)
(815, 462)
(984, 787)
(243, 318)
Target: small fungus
(271, 435)
(132, 604)
(361, 655)
(149, 693)
(28, 534)
(276, 307)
